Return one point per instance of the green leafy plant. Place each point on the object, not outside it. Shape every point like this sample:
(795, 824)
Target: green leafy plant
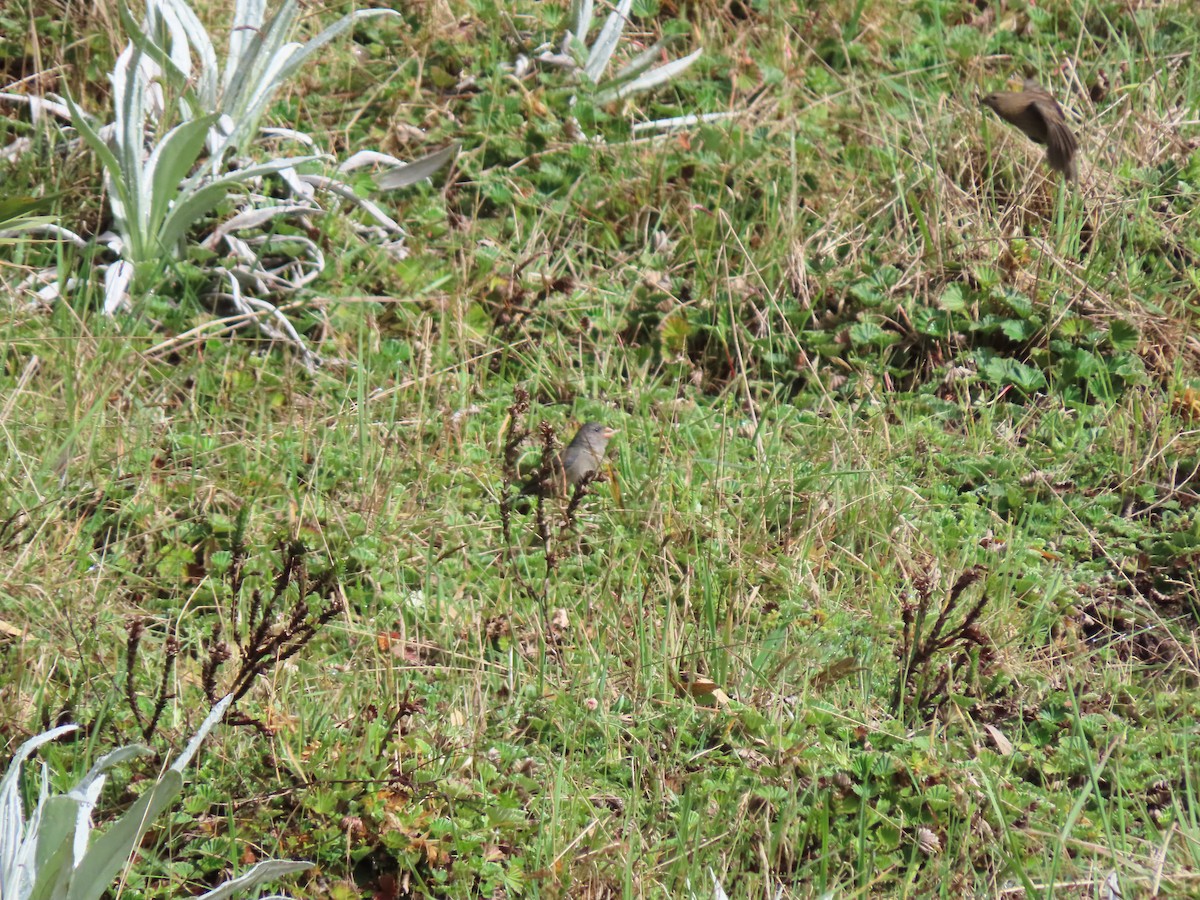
(50, 855)
(20, 215)
(175, 152)
(592, 61)
(159, 194)
(261, 56)
(155, 202)
(588, 64)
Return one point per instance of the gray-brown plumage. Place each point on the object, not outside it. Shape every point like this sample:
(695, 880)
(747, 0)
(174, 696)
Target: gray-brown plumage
(1038, 114)
(580, 458)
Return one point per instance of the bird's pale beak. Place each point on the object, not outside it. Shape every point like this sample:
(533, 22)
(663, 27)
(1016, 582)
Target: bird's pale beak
(609, 433)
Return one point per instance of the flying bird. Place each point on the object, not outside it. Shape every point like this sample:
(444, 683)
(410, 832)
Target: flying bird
(1038, 114)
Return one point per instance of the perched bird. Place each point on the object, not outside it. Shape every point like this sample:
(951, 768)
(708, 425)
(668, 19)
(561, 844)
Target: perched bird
(580, 458)
(1038, 114)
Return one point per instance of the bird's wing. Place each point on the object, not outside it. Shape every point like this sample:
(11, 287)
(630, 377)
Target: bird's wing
(1047, 106)
(1060, 142)
(579, 461)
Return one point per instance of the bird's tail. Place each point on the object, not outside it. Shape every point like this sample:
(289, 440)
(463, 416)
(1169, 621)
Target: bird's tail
(1060, 150)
